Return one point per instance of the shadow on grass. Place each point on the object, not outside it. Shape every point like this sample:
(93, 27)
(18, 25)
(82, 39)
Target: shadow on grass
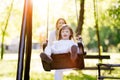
(79, 76)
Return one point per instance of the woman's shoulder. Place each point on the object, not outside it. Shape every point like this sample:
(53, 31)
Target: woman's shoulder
(52, 35)
(53, 32)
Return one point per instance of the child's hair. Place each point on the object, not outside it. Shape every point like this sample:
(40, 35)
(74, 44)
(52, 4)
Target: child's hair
(64, 26)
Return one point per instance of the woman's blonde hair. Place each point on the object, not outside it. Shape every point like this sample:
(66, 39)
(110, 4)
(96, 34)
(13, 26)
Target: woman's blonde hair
(59, 20)
(64, 26)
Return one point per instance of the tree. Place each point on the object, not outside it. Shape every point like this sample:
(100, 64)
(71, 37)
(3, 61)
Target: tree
(96, 25)
(5, 28)
(81, 19)
(109, 28)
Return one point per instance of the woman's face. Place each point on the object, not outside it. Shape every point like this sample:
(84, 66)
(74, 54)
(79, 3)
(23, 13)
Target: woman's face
(65, 34)
(60, 23)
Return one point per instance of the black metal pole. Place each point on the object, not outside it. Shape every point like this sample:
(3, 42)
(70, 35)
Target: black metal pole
(99, 71)
(28, 41)
(21, 45)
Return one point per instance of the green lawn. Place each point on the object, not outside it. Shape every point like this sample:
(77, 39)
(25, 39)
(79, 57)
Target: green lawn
(8, 69)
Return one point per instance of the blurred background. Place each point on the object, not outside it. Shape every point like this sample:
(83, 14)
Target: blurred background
(107, 13)
(45, 15)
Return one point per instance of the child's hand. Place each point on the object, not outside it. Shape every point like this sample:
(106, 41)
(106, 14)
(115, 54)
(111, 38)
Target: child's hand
(79, 37)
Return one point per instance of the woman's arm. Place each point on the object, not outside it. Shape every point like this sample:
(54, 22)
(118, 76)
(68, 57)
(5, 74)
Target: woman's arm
(51, 38)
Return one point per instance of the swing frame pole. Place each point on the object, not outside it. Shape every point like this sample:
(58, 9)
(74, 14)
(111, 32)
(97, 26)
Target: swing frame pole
(21, 45)
(26, 27)
(28, 41)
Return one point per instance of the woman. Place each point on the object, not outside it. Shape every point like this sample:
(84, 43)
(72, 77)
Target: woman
(51, 38)
(53, 35)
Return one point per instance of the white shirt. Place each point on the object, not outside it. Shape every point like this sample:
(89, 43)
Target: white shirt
(61, 46)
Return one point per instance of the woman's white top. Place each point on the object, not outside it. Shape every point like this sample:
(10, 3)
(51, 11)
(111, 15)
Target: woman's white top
(51, 38)
(60, 46)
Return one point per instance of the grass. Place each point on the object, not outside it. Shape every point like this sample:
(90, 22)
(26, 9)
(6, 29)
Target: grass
(8, 69)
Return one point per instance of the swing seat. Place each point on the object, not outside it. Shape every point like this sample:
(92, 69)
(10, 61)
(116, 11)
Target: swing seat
(63, 61)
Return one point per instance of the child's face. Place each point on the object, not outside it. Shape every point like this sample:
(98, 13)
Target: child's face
(65, 34)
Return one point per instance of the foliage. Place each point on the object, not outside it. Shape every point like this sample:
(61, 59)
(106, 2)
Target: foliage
(5, 28)
(109, 27)
(92, 42)
(114, 13)
(108, 20)
(111, 30)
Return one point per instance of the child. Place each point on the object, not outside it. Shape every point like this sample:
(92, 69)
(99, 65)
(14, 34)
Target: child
(64, 44)
(51, 38)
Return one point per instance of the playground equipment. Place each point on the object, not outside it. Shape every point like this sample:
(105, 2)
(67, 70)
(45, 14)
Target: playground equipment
(100, 65)
(63, 61)
(25, 38)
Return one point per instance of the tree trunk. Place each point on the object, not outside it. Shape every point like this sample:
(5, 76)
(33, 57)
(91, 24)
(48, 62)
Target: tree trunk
(4, 31)
(81, 18)
(96, 25)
